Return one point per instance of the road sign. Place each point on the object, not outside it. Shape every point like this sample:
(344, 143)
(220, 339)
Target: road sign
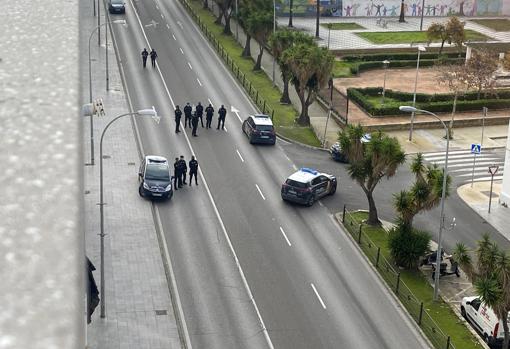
(476, 148)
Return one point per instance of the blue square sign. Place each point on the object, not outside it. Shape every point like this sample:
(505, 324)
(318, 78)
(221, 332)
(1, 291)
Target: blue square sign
(476, 148)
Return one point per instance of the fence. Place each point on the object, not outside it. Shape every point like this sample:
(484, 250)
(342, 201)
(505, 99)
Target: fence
(241, 77)
(339, 103)
(392, 277)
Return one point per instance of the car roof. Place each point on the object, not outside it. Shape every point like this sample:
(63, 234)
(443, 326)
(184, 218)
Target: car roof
(261, 119)
(305, 175)
(155, 159)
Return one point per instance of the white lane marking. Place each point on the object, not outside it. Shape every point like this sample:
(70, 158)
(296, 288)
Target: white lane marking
(285, 236)
(286, 157)
(180, 24)
(260, 191)
(199, 82)
(157, 7)
(321, 204)
(294, 167)
(180, 48)
(238, 153)
(173, 36)
(225, 129)
(211, 103)
(318, 295)
(241, 120)
(162, 16)
(167, 26)
(217, 213)
(189, 64)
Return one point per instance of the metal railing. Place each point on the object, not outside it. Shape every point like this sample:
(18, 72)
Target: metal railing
(414, 306)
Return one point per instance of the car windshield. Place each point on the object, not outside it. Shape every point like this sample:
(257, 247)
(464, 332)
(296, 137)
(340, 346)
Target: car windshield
(157, 172)
(264, 127)
(296, 184)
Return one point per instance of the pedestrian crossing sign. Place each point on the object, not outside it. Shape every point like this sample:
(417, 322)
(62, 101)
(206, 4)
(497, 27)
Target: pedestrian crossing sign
(476, 148)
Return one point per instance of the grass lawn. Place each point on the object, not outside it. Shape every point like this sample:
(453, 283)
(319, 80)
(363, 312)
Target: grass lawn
(342, 26)
(342, 69)
(406, 37)
(499, 25)
(440, 311)
(284, 115)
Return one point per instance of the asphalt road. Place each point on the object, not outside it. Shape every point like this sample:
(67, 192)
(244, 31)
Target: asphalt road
(244, 260)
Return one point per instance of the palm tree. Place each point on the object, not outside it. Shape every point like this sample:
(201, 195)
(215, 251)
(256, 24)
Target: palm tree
(318, 14)
(370, 162)
(260, 25)
(291, 7)
(401, 18)
(310, 67)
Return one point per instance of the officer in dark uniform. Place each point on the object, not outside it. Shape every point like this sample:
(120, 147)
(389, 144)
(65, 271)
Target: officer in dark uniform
(177, 174)
(178, 114)
(199, 110)
(222, 113)
(184, 169)
(193, 169)
(145, 54)
(209, 112)
(154, 55)
(194, 123)
(187, 115)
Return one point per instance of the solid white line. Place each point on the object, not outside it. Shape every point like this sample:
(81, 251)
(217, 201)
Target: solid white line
(285, 236)
(210, 102)
(173, 36)
(199, 82)
(260, 191)
(180, 48)
(238, 153)
(318, 295)
(189, 64)
(167, 26)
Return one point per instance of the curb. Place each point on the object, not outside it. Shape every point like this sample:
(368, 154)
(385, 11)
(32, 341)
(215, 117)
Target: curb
(301, 144)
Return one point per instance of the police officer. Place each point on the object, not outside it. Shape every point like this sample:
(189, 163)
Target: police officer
(184, 169)
(194, 123)
(145, 54)
(178, 114)
(209, 111)
(222, 113)
(193, 169)
(154, 55)
(199, 110)
(187, 115)
(177, 174)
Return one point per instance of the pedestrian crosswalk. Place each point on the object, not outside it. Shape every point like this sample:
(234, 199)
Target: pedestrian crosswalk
(461, 162)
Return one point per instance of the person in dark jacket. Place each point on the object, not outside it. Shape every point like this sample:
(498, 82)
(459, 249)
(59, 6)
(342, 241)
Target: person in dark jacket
(145, 54)
(92, 291)
(177, 174)
(222, 113)
(209, 112)
(187, 115)
(184, 169)
(194, 123)
(199, 110)
(193, 169)
(178, 114)
(154, 55)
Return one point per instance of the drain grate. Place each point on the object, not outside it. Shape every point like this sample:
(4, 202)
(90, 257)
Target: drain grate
(161, 312)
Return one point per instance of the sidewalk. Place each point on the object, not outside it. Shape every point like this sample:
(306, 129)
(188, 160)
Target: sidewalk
(139, 312)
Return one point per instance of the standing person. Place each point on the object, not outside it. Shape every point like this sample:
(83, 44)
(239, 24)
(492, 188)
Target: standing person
(187, 115)
(178, 114)
(154, 55)
(193, 169)
(199, 110)
(194, 123)
(209, 111)
(184, 169)
(222, 113)
(177, 174)
(145, 54)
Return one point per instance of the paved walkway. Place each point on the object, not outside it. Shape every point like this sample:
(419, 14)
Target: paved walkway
(139, 312)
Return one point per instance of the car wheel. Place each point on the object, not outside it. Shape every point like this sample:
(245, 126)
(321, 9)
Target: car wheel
(310, 201)
(333, 190)
(140, 191)
(463, 312)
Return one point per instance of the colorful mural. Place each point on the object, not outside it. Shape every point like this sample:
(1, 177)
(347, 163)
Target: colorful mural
(387, 8)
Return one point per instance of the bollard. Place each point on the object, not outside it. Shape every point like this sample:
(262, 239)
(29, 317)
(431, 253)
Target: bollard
(448, 343)
(272, 115)
(264, 108)
(244, 78)
(421, 314)
(257, 97)
(398, 284)
(249, 93)
(359, 233)
(377, 258)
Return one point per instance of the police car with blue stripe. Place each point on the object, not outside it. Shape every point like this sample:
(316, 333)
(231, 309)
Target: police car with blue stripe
(308, 185)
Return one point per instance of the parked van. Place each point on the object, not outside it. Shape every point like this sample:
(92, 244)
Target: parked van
(484, 320)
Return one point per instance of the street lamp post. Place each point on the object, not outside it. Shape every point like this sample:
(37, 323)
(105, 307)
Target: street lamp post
(237, 21)
(274, 31)
(385, 64)
(420, 49)
(142, 112)
(492, 170)
(422, 11)
(443, 193)
(330, 86)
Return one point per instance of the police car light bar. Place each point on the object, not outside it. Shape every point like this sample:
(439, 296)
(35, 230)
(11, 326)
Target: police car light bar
(309, 170)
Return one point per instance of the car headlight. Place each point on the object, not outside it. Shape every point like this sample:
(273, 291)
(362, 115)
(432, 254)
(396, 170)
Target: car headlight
(168, 187)
(146, 186)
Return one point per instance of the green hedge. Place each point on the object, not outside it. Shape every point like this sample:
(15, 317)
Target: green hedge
(364, 66)
(398, 56)
(439, 103)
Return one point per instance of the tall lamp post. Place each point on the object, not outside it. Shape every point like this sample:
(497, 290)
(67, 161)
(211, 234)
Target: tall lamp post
(143, 112)
(329, 32)
(385, 63)
(237, 21)
(274, 31)
(420, 49)
(421, 17)
(413, 110)
(493, 169)
(330, 86)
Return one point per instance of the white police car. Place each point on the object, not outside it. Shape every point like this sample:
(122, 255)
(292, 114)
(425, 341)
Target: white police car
(154, 177)
(308, 185)
(259, 129)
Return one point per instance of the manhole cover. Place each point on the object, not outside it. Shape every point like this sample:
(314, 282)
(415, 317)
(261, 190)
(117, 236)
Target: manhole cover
(161, 312)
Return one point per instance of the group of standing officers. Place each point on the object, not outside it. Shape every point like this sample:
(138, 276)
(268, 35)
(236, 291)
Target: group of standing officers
(180, 169)
(153, 55)
(191, 117)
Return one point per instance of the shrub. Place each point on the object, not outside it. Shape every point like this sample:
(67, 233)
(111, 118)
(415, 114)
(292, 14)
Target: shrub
(407, 245)
(398, 56)
(364, 66)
